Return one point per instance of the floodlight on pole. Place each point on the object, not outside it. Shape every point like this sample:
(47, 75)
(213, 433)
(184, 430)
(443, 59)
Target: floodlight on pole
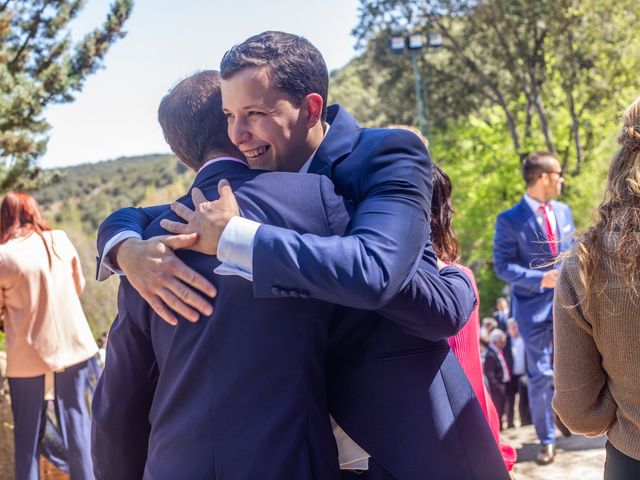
(434, 39)
(414, 42)
(396, 44)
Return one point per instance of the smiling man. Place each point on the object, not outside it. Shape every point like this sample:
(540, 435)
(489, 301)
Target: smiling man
(267, 127)
(394, 385)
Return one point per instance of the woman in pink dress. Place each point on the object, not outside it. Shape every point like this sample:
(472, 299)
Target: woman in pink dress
(466, 344)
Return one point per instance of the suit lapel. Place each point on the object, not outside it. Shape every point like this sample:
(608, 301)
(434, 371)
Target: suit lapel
(338, 143)
(529, 218)
(562, 223)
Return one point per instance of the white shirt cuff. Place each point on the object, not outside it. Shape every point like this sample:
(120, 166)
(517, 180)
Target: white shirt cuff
(235, 248)
(350, 455)
(225, 269)
(106, 268)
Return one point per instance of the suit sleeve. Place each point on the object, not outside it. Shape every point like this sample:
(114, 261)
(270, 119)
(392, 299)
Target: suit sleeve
(582, 397)
(378, 257)
(434, 305)
(126, 219)
(505, 258)
(122, 401)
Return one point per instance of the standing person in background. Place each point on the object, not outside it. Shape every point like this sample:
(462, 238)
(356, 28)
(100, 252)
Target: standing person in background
(466, 344)
(516, 361)
(502, 313)
(597, 314)
(497, 371)
(49, 344)
(528, 238)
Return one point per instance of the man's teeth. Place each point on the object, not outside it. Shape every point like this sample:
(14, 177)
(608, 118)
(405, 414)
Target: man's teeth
(255, 153)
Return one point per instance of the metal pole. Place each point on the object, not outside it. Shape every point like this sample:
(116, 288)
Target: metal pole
(419, 104)
(425, 96)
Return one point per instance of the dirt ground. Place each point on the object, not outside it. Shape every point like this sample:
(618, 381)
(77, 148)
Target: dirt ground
(577, 458)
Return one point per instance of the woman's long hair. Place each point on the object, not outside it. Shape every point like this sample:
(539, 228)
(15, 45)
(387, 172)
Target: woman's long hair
(20, 216)
(445, 242)
(619, 213)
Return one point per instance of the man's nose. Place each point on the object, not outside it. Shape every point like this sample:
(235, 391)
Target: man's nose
(238, 132)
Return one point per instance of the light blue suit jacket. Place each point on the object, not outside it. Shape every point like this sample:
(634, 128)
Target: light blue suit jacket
(522, 254)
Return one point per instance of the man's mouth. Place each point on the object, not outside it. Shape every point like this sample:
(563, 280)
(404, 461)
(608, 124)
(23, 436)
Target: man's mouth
(256, 152)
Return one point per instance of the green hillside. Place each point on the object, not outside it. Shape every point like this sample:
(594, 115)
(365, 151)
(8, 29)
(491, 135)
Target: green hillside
(87, 193)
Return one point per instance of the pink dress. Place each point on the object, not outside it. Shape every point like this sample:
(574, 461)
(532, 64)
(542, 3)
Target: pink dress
(466, 347)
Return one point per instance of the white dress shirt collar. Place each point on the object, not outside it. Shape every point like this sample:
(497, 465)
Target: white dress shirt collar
(533, 203)
(217, 159)
(307, 164)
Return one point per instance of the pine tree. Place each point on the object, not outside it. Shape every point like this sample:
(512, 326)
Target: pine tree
(40, 66)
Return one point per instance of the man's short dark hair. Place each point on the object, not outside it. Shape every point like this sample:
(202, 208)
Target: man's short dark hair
(536, 164)
(192, 120)
(295, 65)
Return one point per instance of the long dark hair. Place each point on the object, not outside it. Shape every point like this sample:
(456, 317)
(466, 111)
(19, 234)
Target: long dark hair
(20, 216)
(444, 239)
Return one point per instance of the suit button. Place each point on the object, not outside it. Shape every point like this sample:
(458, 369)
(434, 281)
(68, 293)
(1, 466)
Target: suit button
(276, 291)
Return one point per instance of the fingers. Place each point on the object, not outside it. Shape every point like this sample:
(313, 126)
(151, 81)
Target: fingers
(227, 198)
(176, 242)
(224, 189)
(173, 302)
(182, 211)
(185, 301)
(175, 227)
(193, 279)
(160, 308)
(198, 197)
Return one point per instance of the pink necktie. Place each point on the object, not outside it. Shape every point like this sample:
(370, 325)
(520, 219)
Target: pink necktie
(552, 239)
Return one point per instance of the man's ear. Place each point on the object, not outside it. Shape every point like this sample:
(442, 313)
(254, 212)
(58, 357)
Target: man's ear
(313, 103)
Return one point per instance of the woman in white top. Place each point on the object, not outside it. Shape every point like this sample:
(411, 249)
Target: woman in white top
(50, 348)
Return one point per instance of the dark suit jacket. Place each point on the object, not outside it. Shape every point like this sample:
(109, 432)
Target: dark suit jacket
(522, 254)
(402, 397)
(240, 394)
(394, 385)
(494, 372)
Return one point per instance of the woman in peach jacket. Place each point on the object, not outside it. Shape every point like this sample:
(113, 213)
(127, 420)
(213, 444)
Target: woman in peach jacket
(49, 344)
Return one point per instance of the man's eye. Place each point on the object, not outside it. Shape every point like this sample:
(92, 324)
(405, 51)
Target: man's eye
(255, 114)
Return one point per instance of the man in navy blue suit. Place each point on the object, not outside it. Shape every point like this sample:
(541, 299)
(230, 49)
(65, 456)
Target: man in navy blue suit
(528, 238)
(394, 386)
(240, 394)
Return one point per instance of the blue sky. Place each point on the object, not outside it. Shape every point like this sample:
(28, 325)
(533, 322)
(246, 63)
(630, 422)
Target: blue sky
(115, 114)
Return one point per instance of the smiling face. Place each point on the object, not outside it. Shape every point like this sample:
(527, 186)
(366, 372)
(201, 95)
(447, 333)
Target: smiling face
(266, 125)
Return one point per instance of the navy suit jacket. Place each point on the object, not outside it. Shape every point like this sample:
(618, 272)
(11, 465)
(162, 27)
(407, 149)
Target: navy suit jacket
(522, 254)
(394, 386)
(385, 177)
(240, 394)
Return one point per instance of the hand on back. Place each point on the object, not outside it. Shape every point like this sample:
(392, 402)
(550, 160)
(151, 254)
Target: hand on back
(162, 279)
(208, 219)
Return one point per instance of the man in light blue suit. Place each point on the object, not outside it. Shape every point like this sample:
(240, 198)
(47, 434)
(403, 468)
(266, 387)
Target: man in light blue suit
(528, 239)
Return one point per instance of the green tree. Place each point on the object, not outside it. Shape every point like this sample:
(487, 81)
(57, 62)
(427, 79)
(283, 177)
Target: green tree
(512, 76)
(40, 66)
